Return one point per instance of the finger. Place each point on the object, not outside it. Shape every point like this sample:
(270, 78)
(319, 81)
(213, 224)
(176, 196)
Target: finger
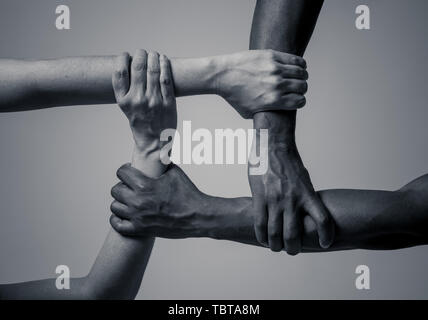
(120, 78)
(325, 224)
(134, 178)
(166, 83)
(153, 73)
(120, 192)
(121, 210)
(292, 231)
(138, 73)
(294, 86)
(275, 228)
(124, 227)
(292, 101)
(286, 58)
(261, 223)
(294, 72)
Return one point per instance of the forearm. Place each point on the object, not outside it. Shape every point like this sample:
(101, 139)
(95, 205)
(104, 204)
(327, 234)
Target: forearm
(118, 271)
(116, 274)
(27, 85)
(287, 26)
(44, 290)
(119, 268)
(375, 220)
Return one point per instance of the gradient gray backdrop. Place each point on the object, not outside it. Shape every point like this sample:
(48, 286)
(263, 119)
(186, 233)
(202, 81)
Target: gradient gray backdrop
(364, 127)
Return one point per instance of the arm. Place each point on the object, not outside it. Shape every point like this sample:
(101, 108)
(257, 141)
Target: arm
(244, 79)
(28, 85)
(377, 220)
(121, 263)
(116, 274)
(284, 195)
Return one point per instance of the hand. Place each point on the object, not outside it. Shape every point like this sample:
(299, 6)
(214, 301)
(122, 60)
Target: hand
(284, 195)
(163, 207)
(263, 80)
(145, 93)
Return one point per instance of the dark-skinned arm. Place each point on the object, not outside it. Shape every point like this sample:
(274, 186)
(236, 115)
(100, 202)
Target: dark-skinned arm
(173, 207)
(284, 195)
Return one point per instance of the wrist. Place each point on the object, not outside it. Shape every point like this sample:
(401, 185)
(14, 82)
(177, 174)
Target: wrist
(148, 146)
(220, 65)
(148, 161)
(226, 218)
(280, 125)
(207, 74)
(217, 66)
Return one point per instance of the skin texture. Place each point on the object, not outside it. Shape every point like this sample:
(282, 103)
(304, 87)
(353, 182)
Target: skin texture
(258, 79)
(173, 207)
(284, 195)
(249, 81)
(145, 94)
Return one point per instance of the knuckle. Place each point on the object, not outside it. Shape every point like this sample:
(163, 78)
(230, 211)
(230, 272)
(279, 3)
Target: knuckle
(164, 61)
(138, 99)
(138, 66)
(272, 197)
(154, 62)
(154, 101)
(296, 100)
(154, 70)
(113, 207)
(114, 222)
(140, 53)
(304, 87)
(139, 203)
(276, 80)
(125, 54)
(290, 84)
(299, 61)
(304, 73)
(134, 99)
(120, 171)
(140, 186)
(270, 54)
(301, 101)
(168, 101)
(124, 102)
(165, 80)
(114, 191)
(272, 68)
(122, 72)
(153, 54)
(274, 97)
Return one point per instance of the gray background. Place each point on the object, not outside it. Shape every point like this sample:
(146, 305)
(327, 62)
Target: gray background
(364, 127)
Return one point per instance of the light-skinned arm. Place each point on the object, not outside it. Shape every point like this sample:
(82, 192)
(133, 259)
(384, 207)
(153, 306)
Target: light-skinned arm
(249, 81)
(146, 96)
